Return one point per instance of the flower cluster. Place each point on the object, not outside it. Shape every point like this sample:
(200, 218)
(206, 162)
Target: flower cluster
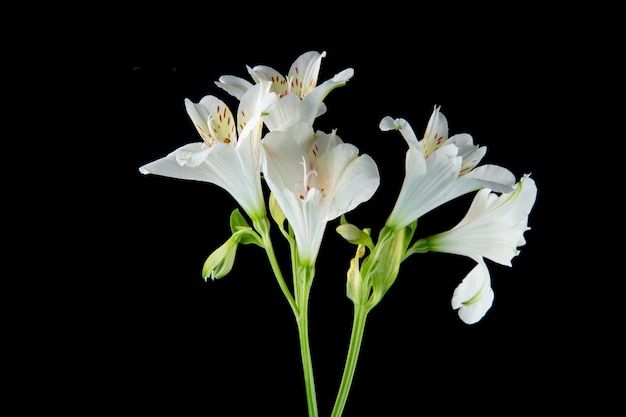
(311, 176)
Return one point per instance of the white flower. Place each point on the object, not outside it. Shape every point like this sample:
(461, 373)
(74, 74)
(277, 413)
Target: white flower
(473, 297)
(439, 169)
(229, 155)
(315, 177)
(301, 99)
(493, 227)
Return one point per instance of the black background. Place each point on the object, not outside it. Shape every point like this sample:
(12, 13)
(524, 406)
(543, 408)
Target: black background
(140, 331)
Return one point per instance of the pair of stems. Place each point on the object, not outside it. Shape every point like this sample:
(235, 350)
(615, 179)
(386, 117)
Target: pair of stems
(303, 278)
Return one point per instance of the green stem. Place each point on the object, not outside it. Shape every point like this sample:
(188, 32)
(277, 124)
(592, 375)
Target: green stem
(305, 350)
(358, 328)
(263, 228)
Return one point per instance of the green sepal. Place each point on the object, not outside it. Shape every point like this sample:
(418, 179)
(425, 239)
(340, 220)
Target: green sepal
(240, 227)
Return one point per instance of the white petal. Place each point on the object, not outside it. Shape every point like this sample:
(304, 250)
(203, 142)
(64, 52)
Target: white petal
(284, 113)
(428, 183)
(407, 132)
(264, 73)
(213, 120)
(473, 297)
(387, 123)
(310, 105)
(219, 164)
(304, 72)
(493, 227)
(168, 166)
(235, 86)
(254, 103)
(462, 140)
(494, 177)
(436, 132)
(306, 217)
(355, 179)
(282, 161)
(343, 76)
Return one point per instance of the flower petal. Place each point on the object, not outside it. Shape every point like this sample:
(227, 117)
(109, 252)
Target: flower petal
(308, 109)
(256, 102)
(407, 132)
(352, 179)
(264, 73)
(213, 120)
(306, 217)
(235, 86)
(473, 297)
(284, 113)
(219, 164)
(428, 183)
(304, 72)
(493, 227)
(494, 177)
(436, 132)
(282, 161)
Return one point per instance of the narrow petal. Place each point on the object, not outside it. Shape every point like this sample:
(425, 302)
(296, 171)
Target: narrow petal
(494, 177)
(306, 217)
(473, 297)
(310, 105)
(168, 166)
(235, 86)
(436, 132)
(264, 73)
(257, 101)
(304, 72)
(428, 183)
(407, 132)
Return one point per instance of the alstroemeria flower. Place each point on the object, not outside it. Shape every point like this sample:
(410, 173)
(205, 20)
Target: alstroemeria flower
(229, 154)
(301, 99)
(493, 227)
(439, 169)
(315, 177)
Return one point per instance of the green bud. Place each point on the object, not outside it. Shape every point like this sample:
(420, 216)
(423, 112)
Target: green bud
(276, 212)
(382, 266)
(221, 261)
(356, 289)
(355, 235)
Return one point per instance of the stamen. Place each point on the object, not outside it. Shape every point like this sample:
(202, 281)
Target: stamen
(306, 176)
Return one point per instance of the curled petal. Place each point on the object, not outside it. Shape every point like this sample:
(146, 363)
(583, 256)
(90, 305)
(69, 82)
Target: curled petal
(474, 296)
(407, 132)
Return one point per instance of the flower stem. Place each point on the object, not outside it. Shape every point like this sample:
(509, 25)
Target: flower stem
(263, 228)
(358, 328)
(307, 364)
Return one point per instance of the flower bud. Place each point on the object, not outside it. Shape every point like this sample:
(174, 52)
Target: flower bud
(355, 235)
(221, 261)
